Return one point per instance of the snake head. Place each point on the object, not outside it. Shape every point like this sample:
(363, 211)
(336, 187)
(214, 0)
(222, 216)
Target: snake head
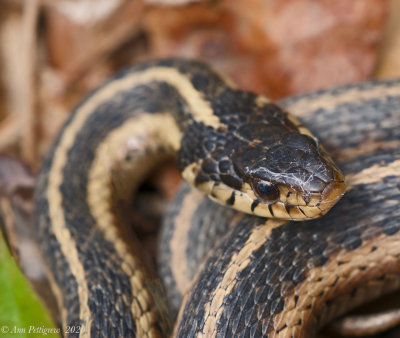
(294, 179)
(271, 169)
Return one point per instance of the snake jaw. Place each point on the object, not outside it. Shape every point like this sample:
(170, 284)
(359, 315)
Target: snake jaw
(292, 203)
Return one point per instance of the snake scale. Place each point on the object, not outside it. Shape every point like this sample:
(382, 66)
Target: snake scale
(265, 277)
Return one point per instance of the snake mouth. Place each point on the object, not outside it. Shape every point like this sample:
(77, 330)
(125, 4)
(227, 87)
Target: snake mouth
(319, 204)
(294, 208)
(329, 197)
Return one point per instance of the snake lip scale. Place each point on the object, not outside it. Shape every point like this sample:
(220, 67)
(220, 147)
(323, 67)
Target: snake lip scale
(238, 148)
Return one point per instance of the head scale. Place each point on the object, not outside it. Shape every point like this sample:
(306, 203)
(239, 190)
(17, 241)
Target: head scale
(271, 169)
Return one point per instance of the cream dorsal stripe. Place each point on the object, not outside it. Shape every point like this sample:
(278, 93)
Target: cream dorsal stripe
(307, 105)
(100, 191)
(197, 105)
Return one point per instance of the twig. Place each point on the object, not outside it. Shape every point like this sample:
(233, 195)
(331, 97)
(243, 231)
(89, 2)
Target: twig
(28, 50)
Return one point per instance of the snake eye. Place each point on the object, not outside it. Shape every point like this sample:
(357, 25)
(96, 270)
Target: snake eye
(266, 191)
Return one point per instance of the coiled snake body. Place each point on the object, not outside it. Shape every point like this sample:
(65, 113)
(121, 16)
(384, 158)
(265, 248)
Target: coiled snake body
(265, 277)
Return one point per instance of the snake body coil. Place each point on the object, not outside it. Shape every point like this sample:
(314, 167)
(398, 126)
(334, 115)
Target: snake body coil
(287, 279)
(237, 147)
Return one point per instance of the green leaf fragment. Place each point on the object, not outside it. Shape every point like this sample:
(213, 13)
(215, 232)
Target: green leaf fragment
(21, 312)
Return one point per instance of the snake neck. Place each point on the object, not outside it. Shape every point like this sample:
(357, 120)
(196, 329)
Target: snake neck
(126, 126)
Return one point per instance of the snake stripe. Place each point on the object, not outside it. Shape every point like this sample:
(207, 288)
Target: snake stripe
(177, 260)
(239, 261)
(244, 152)
(307, 104)
(283, 265)
(78, 183)
(374, 173)
(341, 141)
(65, 200)
(178, 239)
(65, 280)
(306, 274)
(109, 152)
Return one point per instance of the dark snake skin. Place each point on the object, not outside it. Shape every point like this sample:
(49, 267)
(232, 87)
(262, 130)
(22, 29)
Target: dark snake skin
(287, 258)
(96, 278)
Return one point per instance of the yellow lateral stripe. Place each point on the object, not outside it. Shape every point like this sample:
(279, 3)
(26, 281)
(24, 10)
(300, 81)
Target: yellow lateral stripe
(373, 174)
(149, 131)
(198, 106)
(64, 238)
(309, 105)
(366, 148)
(239, 261)
(339, 279)
(179, 239)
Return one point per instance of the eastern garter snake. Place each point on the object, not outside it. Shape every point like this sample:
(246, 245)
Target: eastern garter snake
(239, 148)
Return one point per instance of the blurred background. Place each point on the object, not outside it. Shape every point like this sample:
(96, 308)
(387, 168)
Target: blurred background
(53, 52)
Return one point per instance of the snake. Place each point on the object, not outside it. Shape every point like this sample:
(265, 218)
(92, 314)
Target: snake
(242, 151)
(287, 279)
